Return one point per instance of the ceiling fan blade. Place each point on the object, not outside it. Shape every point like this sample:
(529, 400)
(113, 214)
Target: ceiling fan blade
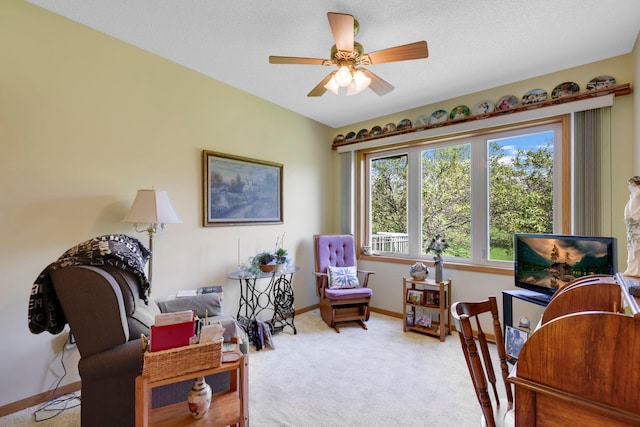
(378, 85)
(417, 50)
(342, 29)
(319, 90)
(296, 60)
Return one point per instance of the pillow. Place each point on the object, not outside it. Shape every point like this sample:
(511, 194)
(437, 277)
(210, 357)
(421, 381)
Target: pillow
(343, 277)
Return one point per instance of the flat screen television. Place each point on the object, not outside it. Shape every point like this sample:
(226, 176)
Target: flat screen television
(545, 262)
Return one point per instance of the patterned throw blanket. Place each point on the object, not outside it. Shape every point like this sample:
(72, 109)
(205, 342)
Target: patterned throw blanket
(116, 250)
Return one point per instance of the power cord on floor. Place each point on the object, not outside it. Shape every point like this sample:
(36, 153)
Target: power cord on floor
(57, 405)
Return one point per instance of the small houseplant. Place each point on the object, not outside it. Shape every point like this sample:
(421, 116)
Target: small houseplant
(281, 256)
(267, 261)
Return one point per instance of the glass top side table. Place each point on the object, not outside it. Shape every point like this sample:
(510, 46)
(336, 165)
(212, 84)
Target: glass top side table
(256, 303)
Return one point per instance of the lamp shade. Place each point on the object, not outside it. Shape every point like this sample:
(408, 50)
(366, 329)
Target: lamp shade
(343, 77)
(152, 207)
(332, 85)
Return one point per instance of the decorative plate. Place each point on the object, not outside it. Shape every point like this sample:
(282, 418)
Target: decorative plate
(364, 133)
(376, 130)
(338, 139)
(420, 121)
(350, 136)
(565, 89)
(601, 82)
(533, 96)
(483, 107)
(389, 127)
(438, 116)
(404, 124)
(506, 102)
(460, 112)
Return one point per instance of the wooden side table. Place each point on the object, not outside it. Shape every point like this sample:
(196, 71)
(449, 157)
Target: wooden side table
(227, 408)
(427, 295)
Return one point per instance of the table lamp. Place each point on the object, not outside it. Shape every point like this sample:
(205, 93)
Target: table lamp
(153, 209)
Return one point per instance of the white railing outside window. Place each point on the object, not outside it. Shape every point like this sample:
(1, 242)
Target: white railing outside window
(390, 242)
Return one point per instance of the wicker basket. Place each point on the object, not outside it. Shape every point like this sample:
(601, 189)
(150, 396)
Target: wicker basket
(159, 365)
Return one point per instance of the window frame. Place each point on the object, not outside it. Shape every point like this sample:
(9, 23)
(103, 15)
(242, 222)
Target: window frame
(562, 188)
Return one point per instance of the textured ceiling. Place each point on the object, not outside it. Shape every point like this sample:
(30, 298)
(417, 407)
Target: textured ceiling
(473, 45)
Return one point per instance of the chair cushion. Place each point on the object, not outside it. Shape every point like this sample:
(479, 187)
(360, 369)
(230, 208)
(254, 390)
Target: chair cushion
(140, 315)
(337, 294)
(343, 277)
(204, 305)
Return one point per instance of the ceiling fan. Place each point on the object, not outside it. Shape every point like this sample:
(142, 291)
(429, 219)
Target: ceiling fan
(348, 55)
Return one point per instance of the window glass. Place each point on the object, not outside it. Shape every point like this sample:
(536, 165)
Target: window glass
(475, 192)
(446, 198)
(388, 207)
(520, 189)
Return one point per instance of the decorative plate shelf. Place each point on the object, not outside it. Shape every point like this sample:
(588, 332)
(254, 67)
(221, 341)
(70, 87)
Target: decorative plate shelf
(618, 90)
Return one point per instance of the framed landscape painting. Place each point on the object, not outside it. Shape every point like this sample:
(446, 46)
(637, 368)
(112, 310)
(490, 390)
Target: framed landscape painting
(241, 191)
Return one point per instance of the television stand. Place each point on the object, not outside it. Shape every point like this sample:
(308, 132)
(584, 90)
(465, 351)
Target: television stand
(522, 294)
(542, 298)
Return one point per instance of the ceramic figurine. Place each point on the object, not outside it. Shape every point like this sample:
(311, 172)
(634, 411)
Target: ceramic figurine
(418, 271)
(632, 223)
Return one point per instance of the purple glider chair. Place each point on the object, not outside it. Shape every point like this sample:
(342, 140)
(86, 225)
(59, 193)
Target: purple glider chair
(342, 288)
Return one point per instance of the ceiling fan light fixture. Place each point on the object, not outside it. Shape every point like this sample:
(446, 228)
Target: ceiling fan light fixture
(347, 54)
(332, 85)
(343, 77)
(361, 80)
(352, 89)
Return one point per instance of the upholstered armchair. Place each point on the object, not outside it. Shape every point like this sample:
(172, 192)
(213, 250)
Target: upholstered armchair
(107, 316)
(342, 288)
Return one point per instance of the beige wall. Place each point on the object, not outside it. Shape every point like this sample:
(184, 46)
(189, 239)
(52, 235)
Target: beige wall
(85, 121)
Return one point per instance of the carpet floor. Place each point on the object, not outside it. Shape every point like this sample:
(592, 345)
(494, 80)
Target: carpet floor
(378, 377)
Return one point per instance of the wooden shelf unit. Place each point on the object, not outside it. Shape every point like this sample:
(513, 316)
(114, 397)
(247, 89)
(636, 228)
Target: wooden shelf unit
(227, 408)
(435, 298)
(618, 90)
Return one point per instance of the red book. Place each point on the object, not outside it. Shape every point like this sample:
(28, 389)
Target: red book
(171, 336)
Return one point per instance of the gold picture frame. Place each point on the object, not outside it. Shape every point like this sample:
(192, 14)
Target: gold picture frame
(240, 191)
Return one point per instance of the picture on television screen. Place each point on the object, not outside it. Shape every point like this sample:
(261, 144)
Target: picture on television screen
(548, 262)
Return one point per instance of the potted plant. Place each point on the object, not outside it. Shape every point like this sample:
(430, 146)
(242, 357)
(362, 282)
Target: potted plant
(266, 261)
(281, 256)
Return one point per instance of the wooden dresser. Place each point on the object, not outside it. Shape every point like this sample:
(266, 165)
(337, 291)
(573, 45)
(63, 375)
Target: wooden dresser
(582, 364)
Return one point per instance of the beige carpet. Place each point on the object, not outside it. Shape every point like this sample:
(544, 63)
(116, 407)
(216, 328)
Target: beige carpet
(379, 377)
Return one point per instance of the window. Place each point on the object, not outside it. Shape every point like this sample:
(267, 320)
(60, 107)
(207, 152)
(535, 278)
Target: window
(475, 191)
(520, 176)
(446, 197)
(388, 195)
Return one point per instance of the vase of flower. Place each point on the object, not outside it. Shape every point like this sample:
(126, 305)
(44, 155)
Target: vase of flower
(199, 398)
(437, 266)
(437, 246)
